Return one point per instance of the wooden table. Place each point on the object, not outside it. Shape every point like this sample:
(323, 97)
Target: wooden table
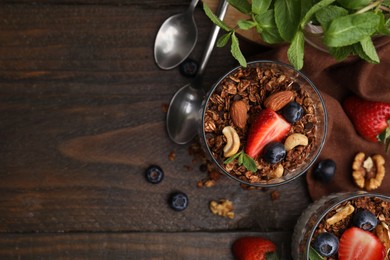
(82, 116)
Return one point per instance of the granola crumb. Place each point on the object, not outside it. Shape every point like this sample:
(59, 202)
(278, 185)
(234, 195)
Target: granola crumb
(172, 156)
(275, 195)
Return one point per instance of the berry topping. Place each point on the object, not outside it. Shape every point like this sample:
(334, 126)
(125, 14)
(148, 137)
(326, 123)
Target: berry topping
(365, 220)
(188, 68)
(178, 201)
(274, 152)
(268, 126)
(154, 174)
(326, 244)
(370, 119)
(246, 248)
(325, 170)
(292, 112)
(356, 243)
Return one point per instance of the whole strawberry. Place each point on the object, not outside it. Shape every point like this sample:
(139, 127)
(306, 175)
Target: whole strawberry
(371, 119)
(254, 248)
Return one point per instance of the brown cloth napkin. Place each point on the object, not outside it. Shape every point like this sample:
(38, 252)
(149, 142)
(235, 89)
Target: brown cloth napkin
(336, 81)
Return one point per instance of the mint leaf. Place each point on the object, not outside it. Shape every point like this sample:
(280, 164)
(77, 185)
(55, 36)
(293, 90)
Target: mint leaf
(249, 163)
(241, 5)
(296, 50)
(241, 158)
(314, 255)
(224, 39)
(383, 27)
(215, 19)
(260, 6)
(369, 49)
(266, 27)
(350, 29)
(341, 53)
(315, 8)
(230, 159)
(287, 16)
(327, 14)
(245, 24)
(358, 50)
(236, 52)
(355, 4)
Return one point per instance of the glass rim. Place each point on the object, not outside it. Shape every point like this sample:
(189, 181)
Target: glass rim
(321, 143)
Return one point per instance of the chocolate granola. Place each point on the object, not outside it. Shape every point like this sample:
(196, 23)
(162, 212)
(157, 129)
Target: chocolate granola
(253, 85)
(377, 206)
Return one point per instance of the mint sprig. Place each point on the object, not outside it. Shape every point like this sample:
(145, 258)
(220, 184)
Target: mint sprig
(314, 255)
(348, 26)
(243, 159)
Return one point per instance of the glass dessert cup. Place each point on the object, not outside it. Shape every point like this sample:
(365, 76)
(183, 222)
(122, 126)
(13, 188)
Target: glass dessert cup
(313, 220)
(253, 85)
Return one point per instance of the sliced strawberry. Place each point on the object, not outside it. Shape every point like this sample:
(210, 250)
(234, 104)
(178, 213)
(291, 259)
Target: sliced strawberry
(355, 243)
(254, 248)
(268, 126)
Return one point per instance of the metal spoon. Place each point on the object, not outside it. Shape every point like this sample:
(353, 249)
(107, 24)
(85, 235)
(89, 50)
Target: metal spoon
(183, 112)
(176, 39)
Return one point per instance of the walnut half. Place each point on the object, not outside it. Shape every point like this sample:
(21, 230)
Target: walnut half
(368, 172)
(224, 208)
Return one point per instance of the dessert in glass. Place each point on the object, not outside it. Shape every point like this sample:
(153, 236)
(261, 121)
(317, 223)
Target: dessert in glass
(349, 225)
(263, 125)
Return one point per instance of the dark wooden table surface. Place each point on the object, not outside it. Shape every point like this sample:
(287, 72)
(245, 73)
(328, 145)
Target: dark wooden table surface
(82, 116)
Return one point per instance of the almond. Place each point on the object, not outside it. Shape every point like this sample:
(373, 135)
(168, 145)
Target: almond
(279, 99)
(238, 113)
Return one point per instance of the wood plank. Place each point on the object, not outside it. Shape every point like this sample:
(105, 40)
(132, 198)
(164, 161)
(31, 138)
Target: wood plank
(81, 118)
(189, 245)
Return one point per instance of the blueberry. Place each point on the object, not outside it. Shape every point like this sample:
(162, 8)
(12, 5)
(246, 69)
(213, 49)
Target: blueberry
(154, 174)
(178, 201)
(325, 170)
(326, 244)
(274, 152)
(292, 112)
(365, 220)
(189, 68)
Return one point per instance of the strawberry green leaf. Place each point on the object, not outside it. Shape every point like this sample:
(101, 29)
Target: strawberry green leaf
(384, 137)
(271, 256)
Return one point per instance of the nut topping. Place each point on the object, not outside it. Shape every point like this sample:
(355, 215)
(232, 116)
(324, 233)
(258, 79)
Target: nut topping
(279, 99)
(368, 172)
(295, 140)
(224, 208)
(341, 214)
(232, 141)
(238, 113)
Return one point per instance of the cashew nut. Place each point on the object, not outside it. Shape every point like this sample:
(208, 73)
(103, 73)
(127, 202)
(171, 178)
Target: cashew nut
(232, 141)
(294, 140)
(278, 172)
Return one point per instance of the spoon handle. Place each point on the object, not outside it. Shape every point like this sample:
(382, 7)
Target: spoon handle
(192, 6)
(212, 38)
